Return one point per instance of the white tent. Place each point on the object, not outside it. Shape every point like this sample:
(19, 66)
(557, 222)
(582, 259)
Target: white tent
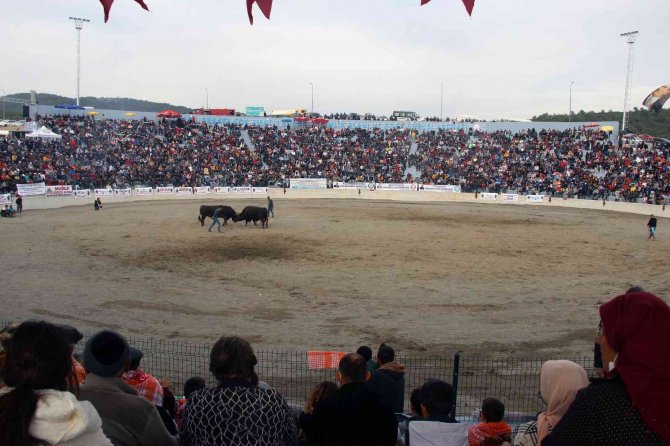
(43, 132)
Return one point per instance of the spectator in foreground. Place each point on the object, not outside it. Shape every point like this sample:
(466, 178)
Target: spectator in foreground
(631, 405)
(366, 353)
(127, 419)
(37, 408)
(73, 336)
(414, 414)
(388, 382)
(353, 415)
(235, 412)
(321, 391)
(145, 384)
(492, 431)
(191, 386)
(559, 383)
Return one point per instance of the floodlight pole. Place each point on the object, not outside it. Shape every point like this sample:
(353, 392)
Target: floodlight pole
(570, 109)
(441, 96)
(630, 39)
(78, 25)
(312, 85)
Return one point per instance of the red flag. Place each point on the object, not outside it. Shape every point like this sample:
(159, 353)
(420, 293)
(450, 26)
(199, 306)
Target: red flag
(469, 5)
(265, 5)
(107, 6)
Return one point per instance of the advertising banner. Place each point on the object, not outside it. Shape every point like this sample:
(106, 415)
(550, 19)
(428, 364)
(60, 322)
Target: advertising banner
(104, 192)
(341, 185)
(396, 186)
(201, 190)
(221, 190)
(259, 190)
(82, 193)
(184, 191)
(535, 198)
(309, 183)
(440, 188)
(165, 190)
(122, 192)
(509, 197)
(144, 191)
(488, 196)
(27, 190)
(5, 199)
(59, 191)
(242, 190)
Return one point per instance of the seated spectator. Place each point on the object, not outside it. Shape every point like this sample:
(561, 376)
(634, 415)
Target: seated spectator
(559, 383)
(437, 426)
(631, 405)
(235, 412)
(388, 382)
(492, 431)
(5, 336)
(73, 336)
(146, 385)
(126, 418)
(37, 408)
(168, 411)
(414, 414)
(353, 415)
(366, 353)
(321, 391)
(191, 386)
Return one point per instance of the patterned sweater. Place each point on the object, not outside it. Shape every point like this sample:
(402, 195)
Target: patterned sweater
(235, 413)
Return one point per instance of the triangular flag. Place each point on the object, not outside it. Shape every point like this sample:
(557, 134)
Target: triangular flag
(264, 5)
(469, 5)
(107, 6)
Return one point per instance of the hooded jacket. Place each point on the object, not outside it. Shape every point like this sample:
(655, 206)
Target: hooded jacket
(388, 383)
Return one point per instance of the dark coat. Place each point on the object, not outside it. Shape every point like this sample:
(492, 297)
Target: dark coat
(602, 414)
(388, 382)
(353, 416)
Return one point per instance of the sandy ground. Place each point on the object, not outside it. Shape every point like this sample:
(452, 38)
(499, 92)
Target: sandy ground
(335, 274)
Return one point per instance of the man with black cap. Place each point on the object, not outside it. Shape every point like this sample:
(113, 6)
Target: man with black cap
(127, 419)
(146, 385)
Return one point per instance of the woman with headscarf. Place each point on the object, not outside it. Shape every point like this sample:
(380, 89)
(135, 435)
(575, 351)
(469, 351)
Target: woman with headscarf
(631, 405)
(559, 383)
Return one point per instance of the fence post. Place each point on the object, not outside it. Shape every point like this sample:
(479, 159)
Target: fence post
(454, 380)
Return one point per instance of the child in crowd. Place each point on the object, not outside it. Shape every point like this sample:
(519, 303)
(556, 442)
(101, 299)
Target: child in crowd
(191, 386)
(492, 431)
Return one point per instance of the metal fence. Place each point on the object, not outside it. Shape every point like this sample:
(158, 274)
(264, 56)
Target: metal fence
(513, 380)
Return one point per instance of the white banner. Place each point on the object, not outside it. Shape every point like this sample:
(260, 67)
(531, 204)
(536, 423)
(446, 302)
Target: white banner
(396, 186)
(509, 197)
(259, 190)
(27, 190)
(488, 196)
(535, 198)
(201, 190)
(184, 191)
(309, 183)
(221, 190)
(440, 188)
(165, 190)
(341, 185)
(242, 190)
(122, 192)
(59, 191)
(144, 191)
(5, 199)
(82, 193)
(104, 192)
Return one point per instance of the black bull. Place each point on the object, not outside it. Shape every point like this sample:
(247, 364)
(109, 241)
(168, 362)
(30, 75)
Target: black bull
(254, 213)
(208, 211)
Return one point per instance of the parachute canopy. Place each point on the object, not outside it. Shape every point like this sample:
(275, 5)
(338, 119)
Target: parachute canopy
(657, 98)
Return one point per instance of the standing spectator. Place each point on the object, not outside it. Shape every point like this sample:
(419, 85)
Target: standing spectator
(145, 384)
(492, 431)
(388, 382)
(271, 207)
(366, 353)
(652, 227)
(127, 419)
(235, 412)
(559, 383)
(19, 204)
(37, 408)
(353, 415)
(631, 405)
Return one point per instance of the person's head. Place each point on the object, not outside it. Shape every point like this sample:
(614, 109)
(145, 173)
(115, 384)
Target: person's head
(192, 385)
(6, 334)
(493, 410)
(232, 357)
(106, 354)
(385, 354)
(320, 392)
(38, 357)
(437, 398)
(365, 352)
(352, 368)
(415, 402)
(635, 289)
(135, 358)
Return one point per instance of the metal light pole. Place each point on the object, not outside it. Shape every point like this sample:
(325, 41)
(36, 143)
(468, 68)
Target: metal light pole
(312, 97)
(441, 95)
(570, 109)
(630, 39)
(207, 98)
(78, 25)
(4, 93)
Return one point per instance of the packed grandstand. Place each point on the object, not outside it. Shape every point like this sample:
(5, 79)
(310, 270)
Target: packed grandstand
(95, 153)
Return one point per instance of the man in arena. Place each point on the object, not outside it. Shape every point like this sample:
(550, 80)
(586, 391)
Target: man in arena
(215, 219)
(271, 207)
(652, 227)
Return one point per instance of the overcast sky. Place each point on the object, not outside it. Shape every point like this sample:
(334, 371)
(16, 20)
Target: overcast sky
(514, 58)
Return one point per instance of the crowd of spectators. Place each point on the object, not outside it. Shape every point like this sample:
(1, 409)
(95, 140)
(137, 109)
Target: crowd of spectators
(47, 396)
(101, 153)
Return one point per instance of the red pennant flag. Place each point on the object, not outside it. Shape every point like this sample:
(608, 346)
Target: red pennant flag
(107, 6)
(265, 5)
(469, 5)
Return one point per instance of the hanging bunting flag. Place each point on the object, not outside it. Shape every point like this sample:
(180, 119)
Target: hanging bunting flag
(265, 5)
(107, 6)
(469, 5)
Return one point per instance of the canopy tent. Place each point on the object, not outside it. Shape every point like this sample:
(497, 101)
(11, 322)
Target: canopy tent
(607, 128)
(169, 114)
(43, 133)
(131, 114)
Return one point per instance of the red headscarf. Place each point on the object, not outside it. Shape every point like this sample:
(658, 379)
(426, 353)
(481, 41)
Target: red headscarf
(637, 326)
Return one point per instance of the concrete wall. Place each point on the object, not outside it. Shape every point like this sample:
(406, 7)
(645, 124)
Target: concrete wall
(30, 203)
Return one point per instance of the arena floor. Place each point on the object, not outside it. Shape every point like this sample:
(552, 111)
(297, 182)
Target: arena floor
(334, 273)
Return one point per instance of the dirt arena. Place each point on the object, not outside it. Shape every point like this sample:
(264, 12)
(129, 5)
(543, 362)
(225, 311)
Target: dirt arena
(334, 273)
